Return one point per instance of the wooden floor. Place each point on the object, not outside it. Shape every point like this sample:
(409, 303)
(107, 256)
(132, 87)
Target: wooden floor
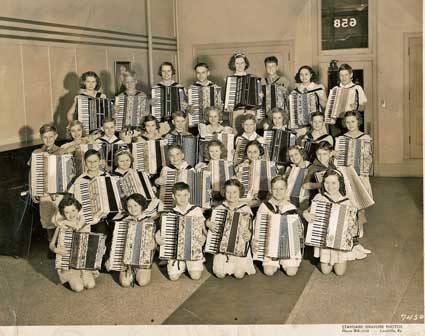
(384, 288)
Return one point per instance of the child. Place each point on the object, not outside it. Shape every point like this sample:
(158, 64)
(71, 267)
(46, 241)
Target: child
(345, 74)
(332, 191)
(177, 162)
(296, 156)
(90, 84)
(179, 122)
(317, 134)
(278, 204)
(130, 83)
(150, 129)
(175, 268)
(238, 64)
(109, 136)
(322, 163)
(224, 264)
(352, 120)
(306, 83)
(135, 206)
(69, 218)
(48, 204)
(279, 120)
(249, 126)
(123, 161)
(78, 137)
(281, 83)
(212, 126)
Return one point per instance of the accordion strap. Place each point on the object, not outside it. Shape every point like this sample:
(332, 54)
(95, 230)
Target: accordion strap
(336, 202)
(180, 214)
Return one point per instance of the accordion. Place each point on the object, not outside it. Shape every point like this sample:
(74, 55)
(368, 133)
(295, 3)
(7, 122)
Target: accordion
(227, 139)
(310, 148)
(239, 155)
(136, 182)
(355, 189)
(167, 99)
(273, 96)
(278, 237)
(221, 171)
(149, 156)
(228, 236)
(50, 174)
(299, 109)
(182, 236)
(190, 145)
(335, 226)
(256, 178)
(79, 164)
(99, 198)
(131, 244)
(129, 111)
(199, 98)
(109, 152)
(242, 91)
(295, 192)
(277, 144)
(84, 250)
(355, 153)
(92, 111)
(199, 182)
(339, 101)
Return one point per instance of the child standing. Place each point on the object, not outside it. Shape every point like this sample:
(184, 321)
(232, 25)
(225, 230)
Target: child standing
(175, 268)
(278, 204)
(69, 218)
(224, 264)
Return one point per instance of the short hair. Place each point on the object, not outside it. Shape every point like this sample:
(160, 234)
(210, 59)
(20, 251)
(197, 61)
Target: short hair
(248, 117)
(91, 152)
(208, 110)
(138, 198)
(234, 183)
(176, 114)
(332, 172)
(352, 114)
(90, 74)
(130, 73)
(179, 186)
(278, 178)
(79, 123)
(47, 128)
(310, 69)
(317, 114)
(175, 146)
(325, 146)
(201, 64)
(68, 200)
(147, 119)
(345, 66)
(254, 143)
(284, 114)
(106, 120)
(271, 59)
(173, 69)
(233, 58)
(216, 143)
(121, 153)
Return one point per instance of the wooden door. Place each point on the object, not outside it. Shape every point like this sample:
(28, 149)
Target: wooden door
(415, 98)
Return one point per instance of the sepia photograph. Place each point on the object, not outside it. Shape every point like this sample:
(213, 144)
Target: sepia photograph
(193, 167)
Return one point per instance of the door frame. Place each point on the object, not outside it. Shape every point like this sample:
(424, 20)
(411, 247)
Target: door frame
(406, 77)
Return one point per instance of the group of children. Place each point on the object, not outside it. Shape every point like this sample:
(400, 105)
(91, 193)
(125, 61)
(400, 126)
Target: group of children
(64, 211)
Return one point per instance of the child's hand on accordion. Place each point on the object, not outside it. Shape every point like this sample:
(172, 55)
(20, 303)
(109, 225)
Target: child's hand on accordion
(246, 235)
(160, 181)
(152, 244)
(158, 238)
(212, 226)
(309, 217)
(60, 250)
(201, 165)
